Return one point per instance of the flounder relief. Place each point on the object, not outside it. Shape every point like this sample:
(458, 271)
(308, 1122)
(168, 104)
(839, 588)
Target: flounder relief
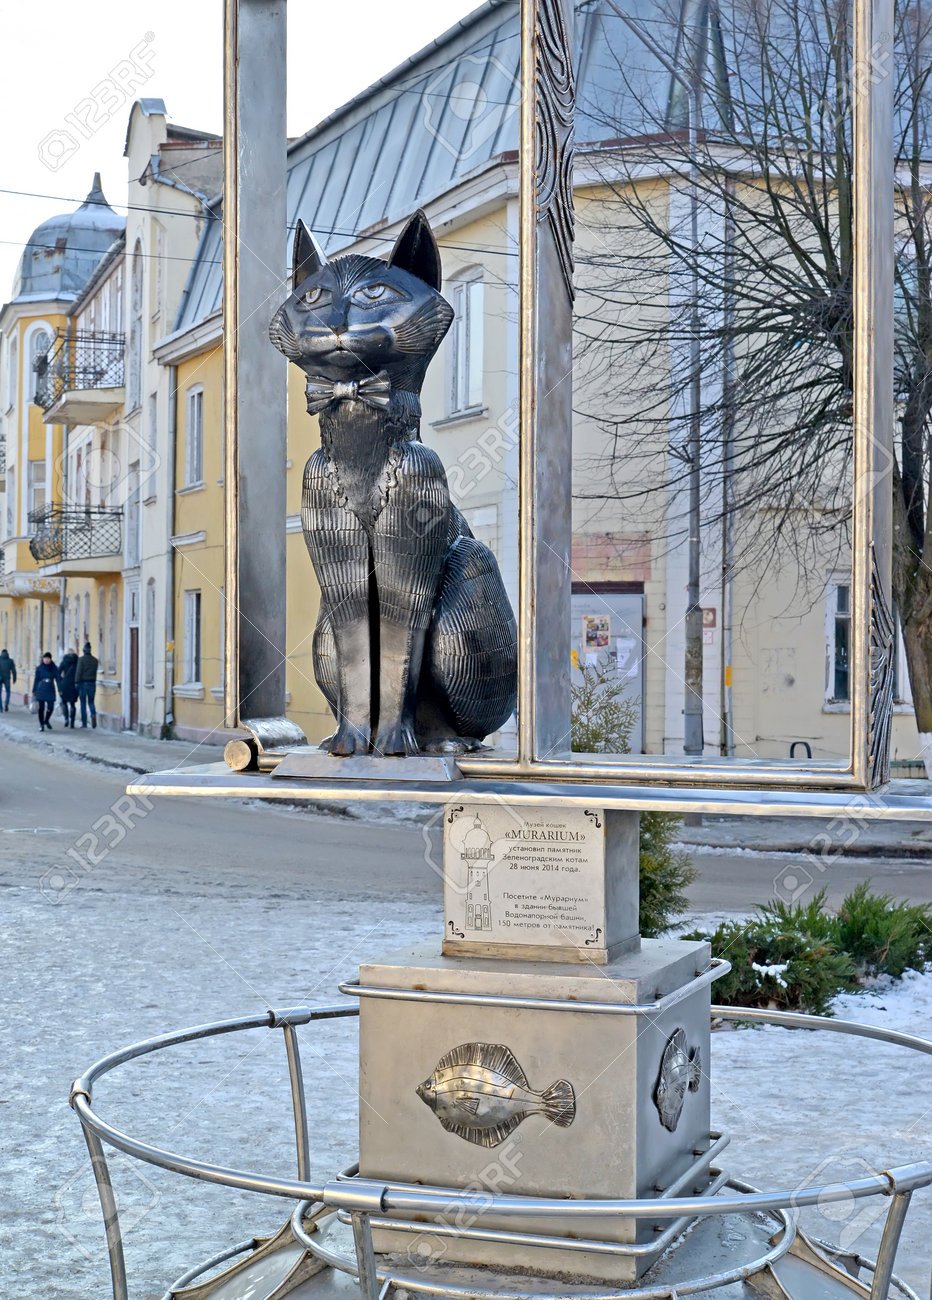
(479, 1092)
(680, 1069)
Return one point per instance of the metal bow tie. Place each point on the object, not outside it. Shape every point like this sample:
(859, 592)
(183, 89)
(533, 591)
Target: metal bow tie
(375, 391)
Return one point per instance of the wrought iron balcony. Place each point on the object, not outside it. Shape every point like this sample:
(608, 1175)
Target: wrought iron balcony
(80, 378)
(78, 539)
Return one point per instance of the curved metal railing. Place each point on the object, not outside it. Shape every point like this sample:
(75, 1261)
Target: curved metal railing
(363, 1199)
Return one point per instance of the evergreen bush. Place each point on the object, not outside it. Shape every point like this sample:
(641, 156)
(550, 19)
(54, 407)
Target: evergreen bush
(882, 936)
(799, 957)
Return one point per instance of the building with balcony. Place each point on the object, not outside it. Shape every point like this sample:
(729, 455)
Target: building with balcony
(59, 259)
(84, 409)
(80, 379)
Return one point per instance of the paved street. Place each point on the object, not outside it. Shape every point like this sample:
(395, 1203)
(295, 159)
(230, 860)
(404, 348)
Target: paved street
(200, 911)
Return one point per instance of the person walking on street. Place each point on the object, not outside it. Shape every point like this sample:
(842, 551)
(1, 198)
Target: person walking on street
(43, 690)
(7, 675)
(85, 678)
(67, 686)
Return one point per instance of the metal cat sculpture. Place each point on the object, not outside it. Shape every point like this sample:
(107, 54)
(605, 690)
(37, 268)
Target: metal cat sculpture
(415, 645)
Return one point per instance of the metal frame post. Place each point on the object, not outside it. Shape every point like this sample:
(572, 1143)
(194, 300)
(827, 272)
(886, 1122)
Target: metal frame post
(255, 388)
(545, 527)
(873, 169)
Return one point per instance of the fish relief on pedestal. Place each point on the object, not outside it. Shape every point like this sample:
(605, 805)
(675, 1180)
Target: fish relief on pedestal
(415, 647)
(479, 1092)
(680, 1070)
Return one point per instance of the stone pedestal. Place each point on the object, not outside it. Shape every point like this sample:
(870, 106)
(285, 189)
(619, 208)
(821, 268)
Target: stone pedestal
(538, 1096)
(540, 883)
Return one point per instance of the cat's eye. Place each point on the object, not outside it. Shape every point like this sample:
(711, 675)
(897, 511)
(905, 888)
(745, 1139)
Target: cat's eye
(371, 295)
(314, 297)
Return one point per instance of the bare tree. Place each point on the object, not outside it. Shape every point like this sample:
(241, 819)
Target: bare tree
(771, 171)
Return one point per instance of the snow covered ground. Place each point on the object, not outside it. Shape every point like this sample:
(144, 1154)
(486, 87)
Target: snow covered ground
(803, 1108)
(206, 911)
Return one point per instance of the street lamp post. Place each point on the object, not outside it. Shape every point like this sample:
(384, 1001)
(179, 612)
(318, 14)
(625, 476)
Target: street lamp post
(693, 738)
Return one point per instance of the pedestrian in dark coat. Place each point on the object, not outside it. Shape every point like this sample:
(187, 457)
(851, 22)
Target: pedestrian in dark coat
(86, 679)
(68, 687)
(44, 687)
(7, 675)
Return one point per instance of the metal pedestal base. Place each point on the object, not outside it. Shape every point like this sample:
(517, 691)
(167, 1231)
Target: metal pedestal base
(750, 1256)
(319, 1254)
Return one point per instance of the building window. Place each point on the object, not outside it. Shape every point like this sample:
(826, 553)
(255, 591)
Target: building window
(12, 374)
(192, 638)
(152, 441)
(159, 273)
(36, 480)
(194, 437)
(838, 690)
(149, 655)
(839, 643)
(134, 380)
(38, 363)
(86, 622)
(112, 628)
(466, 342)
(101, 621)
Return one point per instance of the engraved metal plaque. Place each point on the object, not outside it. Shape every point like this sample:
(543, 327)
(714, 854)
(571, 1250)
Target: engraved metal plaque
(535, 882)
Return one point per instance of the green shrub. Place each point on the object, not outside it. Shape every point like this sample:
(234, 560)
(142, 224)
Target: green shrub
(798, 958)
(602, 722)
(778, 966)
(882, 936)
(666, 873)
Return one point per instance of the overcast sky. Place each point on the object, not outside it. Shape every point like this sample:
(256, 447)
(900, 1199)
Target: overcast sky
(54, 54)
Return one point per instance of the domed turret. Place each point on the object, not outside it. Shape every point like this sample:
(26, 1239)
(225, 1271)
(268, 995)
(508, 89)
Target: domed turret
(477, 846)
(64, 251)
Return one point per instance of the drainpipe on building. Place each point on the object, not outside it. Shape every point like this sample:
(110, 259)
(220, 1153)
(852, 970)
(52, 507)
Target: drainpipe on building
(168, 708)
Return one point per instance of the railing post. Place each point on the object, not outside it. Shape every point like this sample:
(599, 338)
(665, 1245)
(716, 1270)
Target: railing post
(110, 1212)
(892, 1228)
(365, 1255)
(302, 1139)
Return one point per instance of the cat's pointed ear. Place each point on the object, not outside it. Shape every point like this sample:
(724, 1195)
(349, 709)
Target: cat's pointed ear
(416, 251)
(307, 256)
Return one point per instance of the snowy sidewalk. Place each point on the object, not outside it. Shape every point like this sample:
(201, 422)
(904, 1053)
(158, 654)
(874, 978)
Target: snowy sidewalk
(125, 751)
(823, 838)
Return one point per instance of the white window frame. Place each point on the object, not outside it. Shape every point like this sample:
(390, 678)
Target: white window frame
(12, 374)
(467, 342)
(134, 378)
(833, 703)
(194, 436)
(36, 482)
(101, 621)
(193, 638)
(148, 658)
(152, 439)
(113, 624)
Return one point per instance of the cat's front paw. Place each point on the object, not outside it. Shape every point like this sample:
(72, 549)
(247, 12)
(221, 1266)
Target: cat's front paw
(396, 740)
(349, 740)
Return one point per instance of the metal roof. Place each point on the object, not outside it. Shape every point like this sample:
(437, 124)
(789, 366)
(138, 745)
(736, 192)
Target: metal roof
(442, 115)
(63, 252)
